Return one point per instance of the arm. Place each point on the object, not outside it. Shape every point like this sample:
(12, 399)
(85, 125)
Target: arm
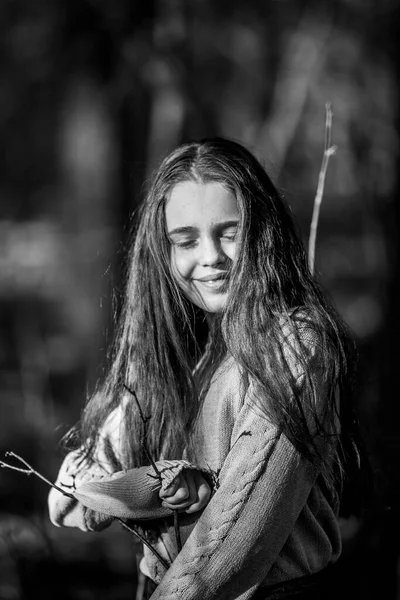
(137, 493)
(264, 485)
(100, 495)
(69, 512)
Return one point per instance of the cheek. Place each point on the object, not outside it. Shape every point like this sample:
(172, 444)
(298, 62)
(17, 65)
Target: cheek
(230, 251)
(181, 266)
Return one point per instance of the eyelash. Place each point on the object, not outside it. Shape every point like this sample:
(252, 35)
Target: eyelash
(185, 245)
(231, 237)
(191, 243)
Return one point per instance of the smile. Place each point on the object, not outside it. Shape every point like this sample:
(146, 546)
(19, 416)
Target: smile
(213, 276)
(214, 283)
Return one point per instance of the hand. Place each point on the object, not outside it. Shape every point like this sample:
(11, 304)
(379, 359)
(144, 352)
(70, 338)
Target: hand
(189, 492)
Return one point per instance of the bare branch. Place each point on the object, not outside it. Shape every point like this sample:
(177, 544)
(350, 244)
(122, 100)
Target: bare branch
(299, 66)
(31, 471)
(145, 542)
(328, 152)
(177, 531)
(144, 419)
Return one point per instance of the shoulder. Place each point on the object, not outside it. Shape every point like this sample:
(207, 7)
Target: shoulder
(302, 340)
(111, 436)
(102, 436)
(300, 326)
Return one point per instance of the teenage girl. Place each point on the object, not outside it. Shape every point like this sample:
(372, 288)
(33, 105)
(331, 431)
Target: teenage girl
(232, 371)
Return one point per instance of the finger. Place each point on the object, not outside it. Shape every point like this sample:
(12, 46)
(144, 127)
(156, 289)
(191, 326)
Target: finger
(192, 486)
(195, 481)
(203, 495)
(175, 502)
(171, 489)
(180, 506)
(180, 496)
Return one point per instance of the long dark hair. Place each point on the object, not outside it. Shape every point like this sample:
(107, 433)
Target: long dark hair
(276, 315)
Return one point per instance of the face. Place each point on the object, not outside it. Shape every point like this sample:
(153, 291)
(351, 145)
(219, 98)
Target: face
(202, 222)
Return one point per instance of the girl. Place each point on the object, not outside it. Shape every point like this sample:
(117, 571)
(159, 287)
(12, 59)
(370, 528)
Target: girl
(234, 373)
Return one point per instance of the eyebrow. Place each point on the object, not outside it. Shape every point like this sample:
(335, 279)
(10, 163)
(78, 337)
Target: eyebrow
(191, 229)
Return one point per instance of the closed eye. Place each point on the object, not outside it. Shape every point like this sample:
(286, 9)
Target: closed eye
(184, 243)
(229, 234)
(187, 237)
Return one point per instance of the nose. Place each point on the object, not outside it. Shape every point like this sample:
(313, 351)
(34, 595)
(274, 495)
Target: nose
(211, 252)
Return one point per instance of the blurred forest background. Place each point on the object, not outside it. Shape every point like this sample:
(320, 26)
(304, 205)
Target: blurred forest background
(93, 93)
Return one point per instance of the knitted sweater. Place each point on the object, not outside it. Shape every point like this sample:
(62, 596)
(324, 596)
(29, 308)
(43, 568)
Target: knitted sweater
(268, 520)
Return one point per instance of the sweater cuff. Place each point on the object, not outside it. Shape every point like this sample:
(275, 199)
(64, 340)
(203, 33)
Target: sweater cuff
(132, 494)
(170, 469)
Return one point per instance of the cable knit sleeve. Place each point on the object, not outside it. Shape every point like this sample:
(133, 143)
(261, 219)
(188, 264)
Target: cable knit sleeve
(263, 487)
(102, 490)
(264, 484)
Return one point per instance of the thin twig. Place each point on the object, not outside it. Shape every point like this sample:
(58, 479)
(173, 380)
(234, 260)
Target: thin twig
(177, 531)
(144, 419)
(153, 464)
(145, 542)
(328, 152)
(31, 471)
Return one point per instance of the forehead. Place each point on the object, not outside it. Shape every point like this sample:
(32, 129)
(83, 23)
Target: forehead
(196, 204)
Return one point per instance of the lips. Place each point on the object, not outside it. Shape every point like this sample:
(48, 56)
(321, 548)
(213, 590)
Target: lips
(213, 277)
(216, 283)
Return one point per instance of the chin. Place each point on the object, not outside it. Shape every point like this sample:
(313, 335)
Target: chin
(215, 309)
(214, 305)
(210, 303)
